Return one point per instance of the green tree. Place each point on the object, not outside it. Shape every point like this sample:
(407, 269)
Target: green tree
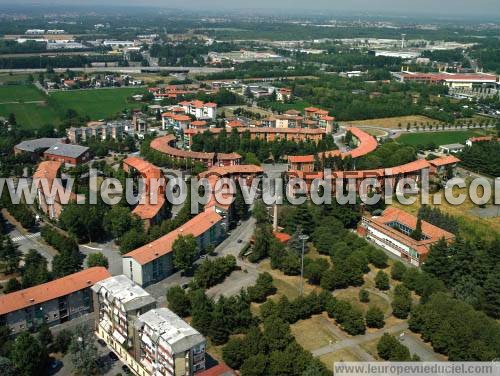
(254, 365)
(83, 351)
(118, 221)
(178, 301)
(45, 335)
(374, 317)
(259, 212)
(364, 297)
(492, 293)
(417, 232)
(12, 285)
(62, 341)
(132, 239)
(28, 355)
(35, 270)
(97, 259)
(401, 303)
(185, 250)
(398, 270)
(382, 281)
(6, 367)
(389, 348)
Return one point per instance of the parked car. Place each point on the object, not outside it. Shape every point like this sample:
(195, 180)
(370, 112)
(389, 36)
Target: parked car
(101, 342)
(126, 370)
(113, 356)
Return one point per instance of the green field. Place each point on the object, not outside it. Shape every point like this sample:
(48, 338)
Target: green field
(31, 115)
(96, 104)
(20, 93)
(438, 138)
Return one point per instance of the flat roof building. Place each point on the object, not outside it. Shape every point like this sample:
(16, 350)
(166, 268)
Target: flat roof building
(148, 340)
(167, 345)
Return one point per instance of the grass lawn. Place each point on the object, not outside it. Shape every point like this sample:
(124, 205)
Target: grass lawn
(311, 334)
(344, 355)
(97, 104)
(438, 138)
(31, 115)
(20, 93)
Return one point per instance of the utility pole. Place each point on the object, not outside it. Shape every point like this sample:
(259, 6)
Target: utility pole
(304, 239)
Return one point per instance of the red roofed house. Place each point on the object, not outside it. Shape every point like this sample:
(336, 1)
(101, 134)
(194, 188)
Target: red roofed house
(392, 230)
(51, 303)
(301, 163)
(154, 261)
(283, 95)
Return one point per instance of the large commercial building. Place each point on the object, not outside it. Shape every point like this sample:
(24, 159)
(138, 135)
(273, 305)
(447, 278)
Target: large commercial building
(150, 341)
(452, 80)
(392, 231)
(154, 261)
(50, 303)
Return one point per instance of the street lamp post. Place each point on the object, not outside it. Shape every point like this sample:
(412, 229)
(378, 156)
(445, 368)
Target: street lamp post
(304, 239)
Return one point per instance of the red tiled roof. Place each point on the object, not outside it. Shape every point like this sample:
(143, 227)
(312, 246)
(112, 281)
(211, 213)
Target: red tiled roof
(232, 170)
(199, 123)
(47, 170)
(181, 118)
(302, 131)
(311, 109)
(393, 214)
(228, 156)
(480, 139)
(220, 369)
(282, 237)
(301, 158)
(235, 124)
(450, 159)
(163, 145)
(52, 290)
(157, 248)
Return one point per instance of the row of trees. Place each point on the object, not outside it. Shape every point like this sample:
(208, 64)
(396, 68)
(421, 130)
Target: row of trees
(483, 157)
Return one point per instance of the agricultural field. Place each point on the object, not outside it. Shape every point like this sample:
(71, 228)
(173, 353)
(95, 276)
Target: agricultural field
(392, 122)
(33, 108)
(96, 104)
(438, 138)
(20, 93)
(31, 115)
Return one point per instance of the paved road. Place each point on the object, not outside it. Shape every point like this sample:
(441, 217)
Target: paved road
(108, 249)
(26, 240)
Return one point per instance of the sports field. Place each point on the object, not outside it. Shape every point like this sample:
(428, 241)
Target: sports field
(438, 138)
(31, 115)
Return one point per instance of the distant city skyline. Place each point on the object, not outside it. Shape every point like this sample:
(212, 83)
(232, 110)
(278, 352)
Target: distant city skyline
(377, 7)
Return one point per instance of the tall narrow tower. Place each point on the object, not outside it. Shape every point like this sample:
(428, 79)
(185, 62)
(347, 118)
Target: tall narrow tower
(403, 40)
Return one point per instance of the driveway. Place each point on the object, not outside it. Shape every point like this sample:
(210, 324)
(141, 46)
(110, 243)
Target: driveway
(108, 249)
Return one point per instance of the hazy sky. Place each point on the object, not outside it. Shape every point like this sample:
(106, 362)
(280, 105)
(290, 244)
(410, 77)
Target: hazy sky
(410, 7)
